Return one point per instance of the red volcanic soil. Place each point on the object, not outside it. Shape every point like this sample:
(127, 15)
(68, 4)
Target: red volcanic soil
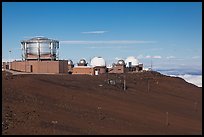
(83, 104)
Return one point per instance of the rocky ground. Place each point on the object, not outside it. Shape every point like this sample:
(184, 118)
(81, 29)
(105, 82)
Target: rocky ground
(82, 104)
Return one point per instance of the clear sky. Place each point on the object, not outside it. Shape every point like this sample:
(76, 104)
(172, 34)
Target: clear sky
(168, 33)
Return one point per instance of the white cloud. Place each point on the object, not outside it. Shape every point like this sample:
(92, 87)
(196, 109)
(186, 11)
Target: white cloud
(170, 57)
(106, 42)
(148, 56)
(94, 32)
(195, 57)
(194, 79)
(140, 56)
(156, 57)
(153, 57)
(117, 58)
(28, 37)
(156, 49)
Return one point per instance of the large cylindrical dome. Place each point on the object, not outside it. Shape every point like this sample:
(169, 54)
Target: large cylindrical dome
(131, 61)
(98, 62)
(39, 48)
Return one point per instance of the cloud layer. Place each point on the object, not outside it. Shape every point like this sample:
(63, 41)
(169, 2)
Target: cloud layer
(149, 57)
(194, 79)
(94, 32)
(106, 42)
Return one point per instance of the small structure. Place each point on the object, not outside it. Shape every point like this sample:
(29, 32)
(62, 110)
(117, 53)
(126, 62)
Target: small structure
(5, 65)
(87, 70)
(82, 62)
(70, 66)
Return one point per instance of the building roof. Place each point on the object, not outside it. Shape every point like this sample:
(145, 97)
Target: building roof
(39, 39)
(98, 62)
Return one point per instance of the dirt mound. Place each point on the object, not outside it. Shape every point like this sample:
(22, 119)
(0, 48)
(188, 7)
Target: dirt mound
(83, 104)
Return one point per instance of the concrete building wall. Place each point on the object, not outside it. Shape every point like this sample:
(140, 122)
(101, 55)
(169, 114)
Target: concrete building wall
(117, 69)
(18, 65)
(83, 70)
(63, 66)
(101, 70)
(40, 66)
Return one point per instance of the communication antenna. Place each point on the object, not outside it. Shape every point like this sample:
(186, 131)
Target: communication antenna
(90, 61)
(124, 83)
(151, 63)
(9, 59)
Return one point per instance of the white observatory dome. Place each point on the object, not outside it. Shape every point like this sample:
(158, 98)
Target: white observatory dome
(98, 61)
(131, 61)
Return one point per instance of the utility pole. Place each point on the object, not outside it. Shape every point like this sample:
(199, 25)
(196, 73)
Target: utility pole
(124, 84)
(9, 59)
(147, 85)
(195, 106)
(167, 118)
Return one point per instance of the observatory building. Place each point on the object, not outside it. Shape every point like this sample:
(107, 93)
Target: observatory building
(130, 65)
(82, 68)
(99, 65)
(40, 55)
(118, 68)
(133, 65)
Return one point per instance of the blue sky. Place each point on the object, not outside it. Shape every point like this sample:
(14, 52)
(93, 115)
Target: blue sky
(169, 34)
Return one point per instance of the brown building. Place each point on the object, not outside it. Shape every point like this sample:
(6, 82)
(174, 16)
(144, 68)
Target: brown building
(117, 69)
(99, 70)
(134, 69)
(5, 65)
(83, 70)
(59, 66)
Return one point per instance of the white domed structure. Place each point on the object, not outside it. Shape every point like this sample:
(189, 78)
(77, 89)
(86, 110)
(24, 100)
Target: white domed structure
(98, 62)
(131, 61)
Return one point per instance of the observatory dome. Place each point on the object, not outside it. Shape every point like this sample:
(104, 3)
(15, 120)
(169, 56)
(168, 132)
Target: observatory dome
(70, 62)
(121, 62)
(131, 61)
(82, 61)
(98, 61)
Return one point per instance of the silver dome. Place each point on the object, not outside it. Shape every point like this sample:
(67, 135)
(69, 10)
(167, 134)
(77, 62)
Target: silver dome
(121, 62)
